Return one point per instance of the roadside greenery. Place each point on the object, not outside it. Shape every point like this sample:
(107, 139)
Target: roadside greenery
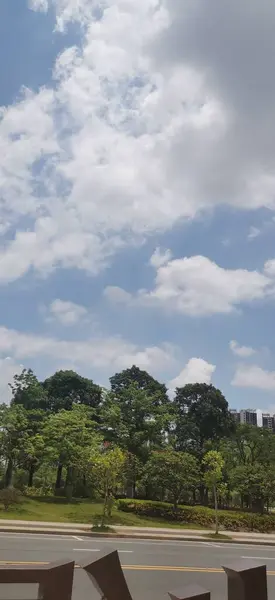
(68, 438)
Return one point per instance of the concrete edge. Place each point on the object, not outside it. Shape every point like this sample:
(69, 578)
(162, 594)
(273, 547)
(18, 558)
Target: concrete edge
(131, 536)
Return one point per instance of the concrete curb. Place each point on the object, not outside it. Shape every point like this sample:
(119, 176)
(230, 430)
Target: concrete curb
(131, 536)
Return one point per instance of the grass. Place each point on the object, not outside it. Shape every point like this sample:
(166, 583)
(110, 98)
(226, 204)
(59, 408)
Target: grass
(218, 536)
(80, 511)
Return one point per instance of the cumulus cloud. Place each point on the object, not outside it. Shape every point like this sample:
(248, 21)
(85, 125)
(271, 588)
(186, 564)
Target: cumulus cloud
(117, 295)
(242, 351)
(67, 313)
(196, 370)
(139, 131)
(106, 353)
(253, 376)
(197, 286)
(160, 257)
(254, 232)
(8, 368)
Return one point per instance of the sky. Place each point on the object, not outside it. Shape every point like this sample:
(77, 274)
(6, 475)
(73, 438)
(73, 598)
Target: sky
(137, 182)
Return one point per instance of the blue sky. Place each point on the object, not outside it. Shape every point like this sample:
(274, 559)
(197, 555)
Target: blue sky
(137, 213)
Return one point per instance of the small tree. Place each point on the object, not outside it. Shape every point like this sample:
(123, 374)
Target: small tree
(107, 472)
(214, 463)
(175, 472)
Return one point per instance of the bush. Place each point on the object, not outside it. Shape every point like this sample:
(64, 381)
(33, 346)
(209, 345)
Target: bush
(9, 497)
(199, 515)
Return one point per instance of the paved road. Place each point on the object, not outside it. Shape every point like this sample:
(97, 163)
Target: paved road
(151, 568)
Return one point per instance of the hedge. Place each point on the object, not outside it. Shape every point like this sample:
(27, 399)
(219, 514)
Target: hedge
(199, 515)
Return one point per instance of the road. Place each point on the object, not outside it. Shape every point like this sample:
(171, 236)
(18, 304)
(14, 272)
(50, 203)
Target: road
(152, 568)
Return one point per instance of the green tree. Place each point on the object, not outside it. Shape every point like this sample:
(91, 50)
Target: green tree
(13, 438)
(214, 463)
(67, 388)
(256, 483)
(107, 472)
(27, 391)
(120, 382)
(176, 472)
(202, 415)
(70, 439)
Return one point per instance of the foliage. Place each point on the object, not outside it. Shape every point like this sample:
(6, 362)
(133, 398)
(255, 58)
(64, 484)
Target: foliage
(213, 463)
(9, 497)
(121, 382)
(106, 470)
(202, 415)
(66, 388)
(199, 515)
(28, 392)
(175, 472)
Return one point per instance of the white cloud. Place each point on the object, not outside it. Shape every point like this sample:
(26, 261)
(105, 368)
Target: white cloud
(67, 313)
(253, 376)
(254, 232)
(196, 370)
(242, 351)
(107, 353)
(197, 286)
(160, 257)
(75, 159)
(8, 368)
(117, 295)
(42, 5)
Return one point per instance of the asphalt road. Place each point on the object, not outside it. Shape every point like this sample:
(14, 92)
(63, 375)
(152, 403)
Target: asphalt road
(151, 568)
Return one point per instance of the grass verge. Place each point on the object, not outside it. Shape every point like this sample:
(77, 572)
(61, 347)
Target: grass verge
(81, 511)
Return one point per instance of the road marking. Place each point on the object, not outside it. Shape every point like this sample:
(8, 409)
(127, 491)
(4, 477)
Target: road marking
(79, 539)
(260, 557)
(98, 550)
(86, 550)
(135, 567)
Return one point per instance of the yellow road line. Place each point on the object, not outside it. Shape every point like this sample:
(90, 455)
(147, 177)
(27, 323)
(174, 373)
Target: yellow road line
(134, 567)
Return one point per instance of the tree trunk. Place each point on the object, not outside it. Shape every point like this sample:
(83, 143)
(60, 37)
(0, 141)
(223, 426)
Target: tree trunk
(9, 473)
(58, 477)
(216, 510)
(69, 484)
(31, 474)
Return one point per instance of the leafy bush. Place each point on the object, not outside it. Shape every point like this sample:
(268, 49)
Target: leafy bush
(199, 515)
(9, 497)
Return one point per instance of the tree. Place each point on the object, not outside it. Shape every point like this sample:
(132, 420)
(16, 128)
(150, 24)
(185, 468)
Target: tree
(213, 461)
(13, 437)
(27, 391)
(107, 472)
(256, 483)
(176, 472)
(201, 415)
(66, 388)
(142, 381)
(70, 439)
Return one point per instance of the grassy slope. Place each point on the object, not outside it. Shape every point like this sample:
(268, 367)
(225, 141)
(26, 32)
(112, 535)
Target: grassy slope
(78, 512)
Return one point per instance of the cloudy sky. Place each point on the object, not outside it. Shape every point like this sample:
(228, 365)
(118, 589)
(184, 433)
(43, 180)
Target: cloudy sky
(137, 176)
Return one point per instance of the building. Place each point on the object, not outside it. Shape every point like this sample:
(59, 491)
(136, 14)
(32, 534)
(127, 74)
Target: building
(268, 421)
(235, 414)
(248, 416)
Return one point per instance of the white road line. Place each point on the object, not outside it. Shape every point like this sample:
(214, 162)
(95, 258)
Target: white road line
(97, 550)
(260, 557)
(86, 550)
(79, 539)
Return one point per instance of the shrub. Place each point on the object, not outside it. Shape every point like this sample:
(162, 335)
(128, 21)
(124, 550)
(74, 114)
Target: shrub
(9, 497)
(199, 515)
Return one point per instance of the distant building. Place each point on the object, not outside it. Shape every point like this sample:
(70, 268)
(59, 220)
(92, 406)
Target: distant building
(248, 416)
(235, 414)
(268, 421)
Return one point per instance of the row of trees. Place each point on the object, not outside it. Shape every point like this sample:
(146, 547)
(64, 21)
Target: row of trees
(68, 434)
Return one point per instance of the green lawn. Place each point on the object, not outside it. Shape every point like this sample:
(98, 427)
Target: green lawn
(82, 511)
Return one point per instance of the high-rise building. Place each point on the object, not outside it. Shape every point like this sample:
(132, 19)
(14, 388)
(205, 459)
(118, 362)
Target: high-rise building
(248, 416)
(268, 421)
(235, 414)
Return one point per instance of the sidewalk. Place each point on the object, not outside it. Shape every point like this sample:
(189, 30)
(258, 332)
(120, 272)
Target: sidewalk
(145, 533)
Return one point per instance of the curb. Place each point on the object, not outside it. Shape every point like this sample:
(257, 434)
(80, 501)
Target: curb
(131, 536)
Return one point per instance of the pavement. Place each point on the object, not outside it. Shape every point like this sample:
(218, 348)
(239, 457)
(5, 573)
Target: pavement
(157, 533)
(152, 568)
